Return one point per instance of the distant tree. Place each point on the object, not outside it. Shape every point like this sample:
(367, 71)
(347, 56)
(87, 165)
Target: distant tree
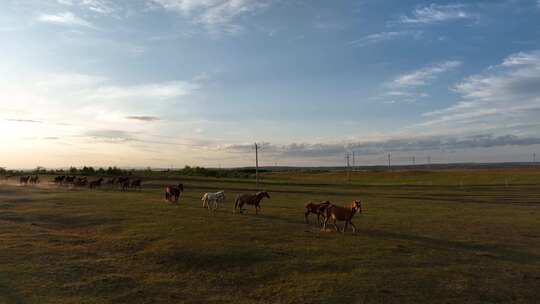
(73, 170)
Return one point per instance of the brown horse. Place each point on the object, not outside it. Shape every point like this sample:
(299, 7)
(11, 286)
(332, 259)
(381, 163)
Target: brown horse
(96, 183)
(59, 179)
(69, 179)
(317, 209)
(121, 181)
(173, 192)
(80, 182)
(111, 182)
(136, 184)
(34, 180)
(23, 180)
(250, 199)
(337, 213)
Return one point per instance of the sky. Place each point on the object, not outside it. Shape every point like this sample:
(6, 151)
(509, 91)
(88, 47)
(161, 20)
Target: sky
(169, 83)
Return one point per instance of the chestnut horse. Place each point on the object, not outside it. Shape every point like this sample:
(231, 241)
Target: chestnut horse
(250, 199)
(317, 209)
(337, 213)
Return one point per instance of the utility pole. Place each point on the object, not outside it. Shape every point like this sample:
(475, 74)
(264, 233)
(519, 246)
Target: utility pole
(353, 160)
(256, 166)
(534, 157)
(348, 157)
(389, 164)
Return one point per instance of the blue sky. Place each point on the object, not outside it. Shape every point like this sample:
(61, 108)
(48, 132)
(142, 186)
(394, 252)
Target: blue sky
(175, 82)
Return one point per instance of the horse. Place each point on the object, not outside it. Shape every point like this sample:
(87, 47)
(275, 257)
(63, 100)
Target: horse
(124, 186)
(338, 213)
(34, 179)
(218, 197)
(96, 183)
(121, 181)
(70, 179)
(317, 209)
(110, 182)
(80, 182)
(250, 199)
(136, 184)
(172, 192)
(59, 179)
(23, 180)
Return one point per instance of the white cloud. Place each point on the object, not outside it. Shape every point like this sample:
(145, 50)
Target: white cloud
(163, 90)
(102, 7)
(503, 96)
(423, 76)
(384, 36)
(435, 13)
(217, 15)
(66, 18)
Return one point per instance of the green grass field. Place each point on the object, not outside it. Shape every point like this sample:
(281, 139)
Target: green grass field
(436, 237)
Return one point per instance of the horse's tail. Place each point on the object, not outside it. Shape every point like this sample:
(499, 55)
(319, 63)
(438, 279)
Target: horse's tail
(205, 197)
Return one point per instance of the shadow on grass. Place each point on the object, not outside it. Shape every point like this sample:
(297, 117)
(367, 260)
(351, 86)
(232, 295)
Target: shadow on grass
(184, 259)
(56, 221)
(487, 251)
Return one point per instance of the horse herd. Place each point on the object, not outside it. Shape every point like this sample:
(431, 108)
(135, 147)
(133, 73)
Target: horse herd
(325, 211)
(121, 183)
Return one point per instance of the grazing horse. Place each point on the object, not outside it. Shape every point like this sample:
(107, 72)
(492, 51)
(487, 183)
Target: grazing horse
(23, 180)
(173, 192)
(136, 184)
(318, 209)
(215, 198)
(250, 199)
(96, 183)
(337, 213)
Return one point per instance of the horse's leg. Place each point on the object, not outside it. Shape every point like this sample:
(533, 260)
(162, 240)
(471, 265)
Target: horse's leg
(335, 226)
(306, 217)
(345, 226)
(353, 226)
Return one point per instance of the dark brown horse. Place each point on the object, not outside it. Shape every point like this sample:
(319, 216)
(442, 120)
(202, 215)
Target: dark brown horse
(338, 213)
(136, 184)
(70, 179)
(34, 180)
(80, 182)
(121, 181)
(173, 192)
(59, 179)
(23, 180)
(250, 199)
(96, 183)
(111, 182)
(316, 208)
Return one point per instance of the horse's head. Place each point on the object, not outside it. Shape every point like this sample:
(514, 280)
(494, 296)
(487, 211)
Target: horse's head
(357, 206)
(263, 194)
(181, 187)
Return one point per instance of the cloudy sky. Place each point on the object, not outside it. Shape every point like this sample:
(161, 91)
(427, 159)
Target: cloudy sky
(173, 82)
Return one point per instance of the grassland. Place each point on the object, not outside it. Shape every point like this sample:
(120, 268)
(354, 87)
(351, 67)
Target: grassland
(437, 237)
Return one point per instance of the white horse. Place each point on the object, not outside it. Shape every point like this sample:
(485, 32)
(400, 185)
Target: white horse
(218, 197)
